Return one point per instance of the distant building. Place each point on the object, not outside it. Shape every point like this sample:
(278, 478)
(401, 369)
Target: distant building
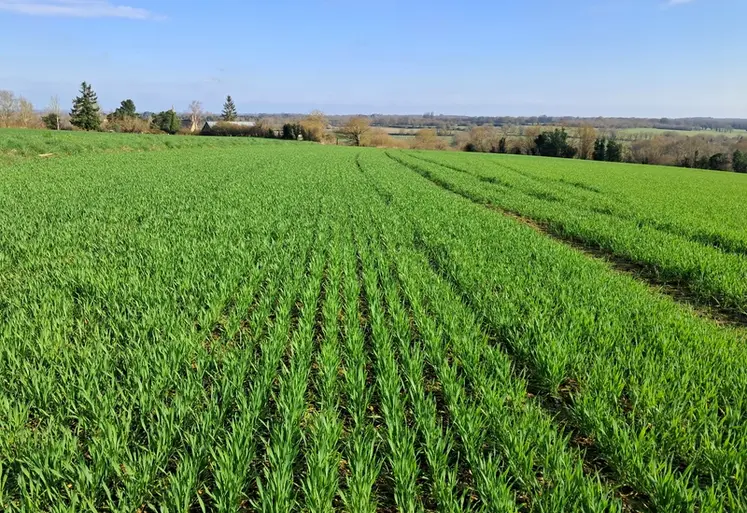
(208, 126)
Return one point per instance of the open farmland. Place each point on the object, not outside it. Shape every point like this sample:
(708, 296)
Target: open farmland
(268, 326)
(627, 133)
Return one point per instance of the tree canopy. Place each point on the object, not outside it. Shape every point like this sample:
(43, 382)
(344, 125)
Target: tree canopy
(739, 161)
(554, 144)
(355, 128)
(51, 121)
(126, 109)
(167, 121)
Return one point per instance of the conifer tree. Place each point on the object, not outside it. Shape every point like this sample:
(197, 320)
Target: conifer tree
(614, 151)
(229, 110)
(85, 113)
(600, 149)
(739, 161)
(502, 145)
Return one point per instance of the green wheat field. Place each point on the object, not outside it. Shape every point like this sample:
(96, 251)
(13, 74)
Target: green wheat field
(198, 324)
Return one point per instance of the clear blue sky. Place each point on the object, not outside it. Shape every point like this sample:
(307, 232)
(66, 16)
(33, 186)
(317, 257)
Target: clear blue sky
(575, 57)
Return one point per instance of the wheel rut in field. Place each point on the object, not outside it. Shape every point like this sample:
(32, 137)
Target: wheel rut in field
(573, 187)
(677, 290)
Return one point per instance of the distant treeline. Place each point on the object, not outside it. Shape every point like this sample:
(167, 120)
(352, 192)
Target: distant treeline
(451, 122)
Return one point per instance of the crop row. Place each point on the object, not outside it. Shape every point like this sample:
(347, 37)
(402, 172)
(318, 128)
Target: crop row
(709, 274)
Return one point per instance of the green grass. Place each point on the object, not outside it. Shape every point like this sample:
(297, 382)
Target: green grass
(16, 143)
(277, 327)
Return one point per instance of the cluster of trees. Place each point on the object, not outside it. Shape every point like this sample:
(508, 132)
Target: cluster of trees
(608, 150)
(16, 111)
(125, 118)
(86, 114)
(554, 144)
(585, 142)
(167, 121)
(485, 139)
(704, 152)
(717, 161)
(311, 128)
(230, 129)
(547, 143)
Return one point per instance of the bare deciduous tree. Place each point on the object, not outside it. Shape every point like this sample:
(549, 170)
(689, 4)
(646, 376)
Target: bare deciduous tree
(379, 138)
(8, 107)
(54, 109)
(25, 112)
(528, 144)
(483, 138)
(587, 135)
(317, 116)
(428, 139)
(315, 125)
(507, 130)
(355, 128)
(195, 115)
